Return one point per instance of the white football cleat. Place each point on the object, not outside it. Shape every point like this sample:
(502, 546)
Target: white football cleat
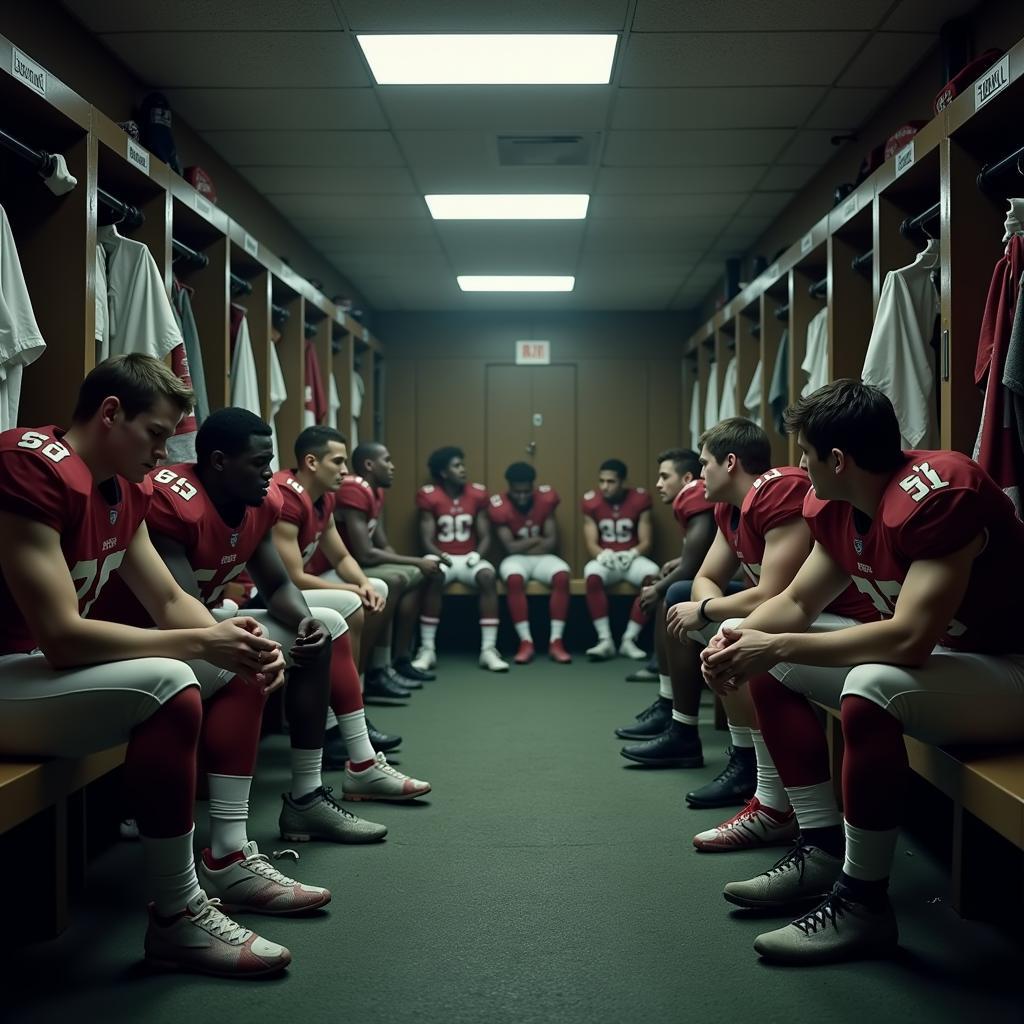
(631, 649)
(381, 782)
(491, 660)
(425, 660)
(603, 650)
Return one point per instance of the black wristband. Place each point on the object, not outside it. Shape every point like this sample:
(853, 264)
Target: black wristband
(703, 614)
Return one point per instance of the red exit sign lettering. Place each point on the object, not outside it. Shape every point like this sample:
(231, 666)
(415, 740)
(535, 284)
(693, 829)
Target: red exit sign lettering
(535, 353)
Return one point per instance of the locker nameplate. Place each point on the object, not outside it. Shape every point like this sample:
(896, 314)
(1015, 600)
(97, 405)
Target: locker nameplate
(807, 243)
(904, 159)
(28, 71)
(138, 156)
(252, 247)
(202, 206)
(994, 81)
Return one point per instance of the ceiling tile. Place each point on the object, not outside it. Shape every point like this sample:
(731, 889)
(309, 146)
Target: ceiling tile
(359, 264)
(227, 15)
(846, 109)
(353, 207)
(332, 181)
(926, 15)
(242, 59)
(511, 247)
(798, 15)
(652, 236)
(276, 109)
(765, 204)
(811, 148)
(788, 177)
(474, 16)
(663, 180)
(741, 234)
(694, 149)
(688, 109)
(888, 59)
(738, 58)
(497, 109)
(306, 148)
(339, 234)
(721, 205)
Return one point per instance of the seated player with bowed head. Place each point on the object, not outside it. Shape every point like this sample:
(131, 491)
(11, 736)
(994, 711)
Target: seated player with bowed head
(931, 540)
(72, 510)
(524, 519)
(455, 530)
(358, 515)
(618, 535)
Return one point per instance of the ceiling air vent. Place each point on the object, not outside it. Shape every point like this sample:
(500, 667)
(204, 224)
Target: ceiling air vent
(546, 150)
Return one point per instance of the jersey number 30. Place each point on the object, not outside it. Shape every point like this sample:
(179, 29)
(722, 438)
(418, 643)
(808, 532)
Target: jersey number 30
(458, 528)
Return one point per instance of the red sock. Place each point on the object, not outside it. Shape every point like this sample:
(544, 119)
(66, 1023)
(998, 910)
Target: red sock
(231, 728)
(875, 768)
(791, 731)
(637, 614)
(346, 696)
(597, 600)
(160, 766)
(560, 596)
(515, 587)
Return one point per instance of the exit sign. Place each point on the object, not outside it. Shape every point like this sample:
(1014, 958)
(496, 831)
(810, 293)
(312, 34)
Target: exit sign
(533, 353)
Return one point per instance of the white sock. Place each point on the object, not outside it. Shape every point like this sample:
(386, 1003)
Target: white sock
(740, 736)
(523, 630)
(170, 872)
(632, 630)
(229, 811)
(604, 628)
(678, 716)
(815, 805)
(380, 656)
(770, 792)
(665, 686)
(428, 632)
(332, 720)
(557, 629)
(306, 769)
(353, 728)
(488, 633)
(869, 853)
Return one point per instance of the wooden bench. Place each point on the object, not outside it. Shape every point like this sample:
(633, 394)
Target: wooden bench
(986, 787)
(44, 800)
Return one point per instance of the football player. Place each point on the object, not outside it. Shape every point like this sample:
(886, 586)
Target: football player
(679, 483)
(930, 540)
(455, 530)
(524, 519)
(360, 501)
(72, 509)
(618, 535)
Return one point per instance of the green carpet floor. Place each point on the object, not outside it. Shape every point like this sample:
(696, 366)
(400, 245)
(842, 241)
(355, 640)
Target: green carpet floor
(544, 880)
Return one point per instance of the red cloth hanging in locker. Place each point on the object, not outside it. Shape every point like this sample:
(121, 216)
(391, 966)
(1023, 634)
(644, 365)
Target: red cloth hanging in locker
(315, 395)
(998, 449)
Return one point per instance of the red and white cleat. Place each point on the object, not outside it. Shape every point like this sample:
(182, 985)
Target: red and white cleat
(525, 653)
(381, 782)
(557, 652)
(754, 826)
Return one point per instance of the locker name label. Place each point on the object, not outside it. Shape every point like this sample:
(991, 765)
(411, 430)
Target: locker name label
(366, 335)
(904, 159)
(806, 243)
(28, 71)
(995, 80)
(850, 208)
(138, 156)
(252, 247)
(533, 353)
(202, 206)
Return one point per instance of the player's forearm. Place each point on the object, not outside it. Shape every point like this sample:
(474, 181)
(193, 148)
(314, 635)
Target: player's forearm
(384, 556)
(593, 548)
(348, 569)
(733, 606)
(887, 642)
(779, 614)
(184, 612)
(677, 575)
(643, 547)
(544, 545)
(705, 587)
(521, 546)
(92, 642)
(287, 605)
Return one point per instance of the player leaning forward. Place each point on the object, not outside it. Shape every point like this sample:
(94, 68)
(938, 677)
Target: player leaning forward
(931, 539)
(72, 510)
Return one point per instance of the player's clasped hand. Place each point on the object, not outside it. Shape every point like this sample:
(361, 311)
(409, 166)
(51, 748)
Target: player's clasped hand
(240, 646)
(311, 638)
(372, 601)
(737, 655)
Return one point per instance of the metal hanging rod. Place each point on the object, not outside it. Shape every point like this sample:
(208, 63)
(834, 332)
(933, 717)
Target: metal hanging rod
(279, 313)
(128, 215)
(199, 260)
(755, 331)
(863, 260)
(239, 285)
(310, 329)
(40, 160)
(782, 312)
(912, 224)
(819, 289)
(1011, 167)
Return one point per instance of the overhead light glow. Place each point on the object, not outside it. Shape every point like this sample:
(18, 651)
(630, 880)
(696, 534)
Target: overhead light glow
(512, 283)
(492, 59)
(508, 207)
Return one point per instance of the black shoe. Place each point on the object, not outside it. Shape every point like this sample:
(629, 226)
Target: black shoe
(406, 684)
(406, 670)
(379, 689)
(676, 747)
(380, 741)
(734, 785)
(335, 751)
(651, 722)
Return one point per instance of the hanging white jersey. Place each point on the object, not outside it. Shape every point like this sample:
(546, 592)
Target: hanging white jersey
(900, 359)
(752, 399)
(695, 411)
(358, 388)
(278, 396)
(102, 342)
(21, 341)
(711, 399)
(815, 363)
(245, 389)
(727, 406)
(333, 402)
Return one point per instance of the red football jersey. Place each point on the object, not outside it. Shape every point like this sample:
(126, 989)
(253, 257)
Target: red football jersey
(935, 504)
(44, 480)
(455, 518)
(358, 493)
(311, 518)
(617, 525)
(504, 512)
(690, 502)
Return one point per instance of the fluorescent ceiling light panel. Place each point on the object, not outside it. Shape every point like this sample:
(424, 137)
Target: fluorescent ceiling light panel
(511, 283)
(493, 59)
(508, 207)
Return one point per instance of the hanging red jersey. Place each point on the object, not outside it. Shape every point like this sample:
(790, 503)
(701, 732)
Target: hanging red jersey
(504, 512)
(358, 493)
(935, 504)
(454, 518)
(690, 502)
(618, 524)
(315, 396)
(44, 480)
